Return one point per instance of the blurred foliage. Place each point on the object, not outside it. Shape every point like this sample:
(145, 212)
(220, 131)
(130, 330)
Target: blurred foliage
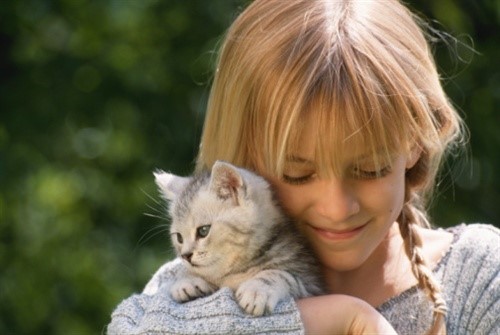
(96, 94)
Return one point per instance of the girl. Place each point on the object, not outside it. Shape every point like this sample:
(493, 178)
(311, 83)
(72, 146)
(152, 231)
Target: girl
(339, 105)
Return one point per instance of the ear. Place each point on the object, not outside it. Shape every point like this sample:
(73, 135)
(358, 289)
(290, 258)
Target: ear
(169, 184)
(413, 157)
(227, 182)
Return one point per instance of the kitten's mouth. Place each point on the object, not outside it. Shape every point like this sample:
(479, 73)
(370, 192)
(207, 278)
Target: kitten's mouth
(199, 265)
(195, 265)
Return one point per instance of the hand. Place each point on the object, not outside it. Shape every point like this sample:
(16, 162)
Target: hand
(341, 314)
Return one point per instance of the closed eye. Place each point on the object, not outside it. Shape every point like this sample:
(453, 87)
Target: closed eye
(298, 180)
(371, 174)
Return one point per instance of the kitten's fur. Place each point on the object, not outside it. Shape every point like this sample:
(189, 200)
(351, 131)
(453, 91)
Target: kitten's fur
(230, 232)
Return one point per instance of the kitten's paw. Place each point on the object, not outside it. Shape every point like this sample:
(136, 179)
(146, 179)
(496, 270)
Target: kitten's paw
(257, 297)
(190, 288)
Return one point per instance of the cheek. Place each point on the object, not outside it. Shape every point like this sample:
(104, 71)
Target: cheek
(177, 249)
(292, 199)
(387, 195)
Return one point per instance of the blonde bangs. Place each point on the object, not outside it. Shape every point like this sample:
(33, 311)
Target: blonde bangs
(362, 94)
(276, 122)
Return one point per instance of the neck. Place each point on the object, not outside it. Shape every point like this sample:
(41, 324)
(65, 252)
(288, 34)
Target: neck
(386, 273)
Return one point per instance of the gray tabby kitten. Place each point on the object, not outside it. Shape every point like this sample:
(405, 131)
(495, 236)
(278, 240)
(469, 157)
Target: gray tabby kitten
(230, 232)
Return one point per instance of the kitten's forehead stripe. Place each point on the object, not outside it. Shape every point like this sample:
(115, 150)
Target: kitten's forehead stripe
(185, 199)
(236, 243)
(237, 229)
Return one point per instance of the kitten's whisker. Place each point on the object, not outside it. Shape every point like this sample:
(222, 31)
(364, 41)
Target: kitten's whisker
(152, 233)
(161, 211)
(155, 216)
(158, 202)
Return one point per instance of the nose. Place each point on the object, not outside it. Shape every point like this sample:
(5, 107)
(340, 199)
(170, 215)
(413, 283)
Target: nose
(187, 256)
(336, 201)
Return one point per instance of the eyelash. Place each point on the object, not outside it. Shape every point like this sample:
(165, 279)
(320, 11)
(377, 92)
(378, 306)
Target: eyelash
(364, 174)
(297, 180)
(357, 173)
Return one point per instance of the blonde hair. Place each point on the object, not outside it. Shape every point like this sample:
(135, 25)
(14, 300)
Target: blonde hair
(362, 70)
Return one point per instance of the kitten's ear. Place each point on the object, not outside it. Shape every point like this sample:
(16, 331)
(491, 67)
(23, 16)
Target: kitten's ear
(169, 184)
(227, 182)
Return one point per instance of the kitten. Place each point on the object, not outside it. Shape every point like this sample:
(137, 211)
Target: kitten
(230, 232)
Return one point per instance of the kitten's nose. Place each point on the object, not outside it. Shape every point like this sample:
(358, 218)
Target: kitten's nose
(187, 256)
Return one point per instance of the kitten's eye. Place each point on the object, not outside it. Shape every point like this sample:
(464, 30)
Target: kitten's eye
(179, 238)
(202, 231)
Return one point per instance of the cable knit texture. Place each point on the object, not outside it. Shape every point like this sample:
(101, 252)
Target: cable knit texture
(469, 273)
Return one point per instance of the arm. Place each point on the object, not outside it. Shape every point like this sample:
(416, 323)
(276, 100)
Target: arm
(341, 314)
(472, 279)
(218, 313)
(154, 311)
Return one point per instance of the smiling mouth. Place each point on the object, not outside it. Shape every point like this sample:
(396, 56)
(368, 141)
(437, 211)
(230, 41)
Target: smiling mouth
(338, 235)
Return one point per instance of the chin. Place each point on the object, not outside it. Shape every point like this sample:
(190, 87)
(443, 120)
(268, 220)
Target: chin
(343, 261)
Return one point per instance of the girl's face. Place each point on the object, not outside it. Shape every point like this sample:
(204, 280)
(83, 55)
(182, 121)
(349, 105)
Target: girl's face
(345, 219)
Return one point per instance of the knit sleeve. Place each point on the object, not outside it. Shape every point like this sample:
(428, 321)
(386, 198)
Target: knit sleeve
(154, 312)
(475, 288)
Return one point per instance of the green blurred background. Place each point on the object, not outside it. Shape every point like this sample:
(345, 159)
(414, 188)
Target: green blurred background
(94, 95)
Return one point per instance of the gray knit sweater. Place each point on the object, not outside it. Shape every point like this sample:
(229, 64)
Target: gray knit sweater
(469, 273)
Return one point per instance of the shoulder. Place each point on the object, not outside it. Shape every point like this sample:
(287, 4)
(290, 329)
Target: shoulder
(474, 242)
(471, 280)
(154, 311)
(475, 249)
(468, 269)
(477, 232)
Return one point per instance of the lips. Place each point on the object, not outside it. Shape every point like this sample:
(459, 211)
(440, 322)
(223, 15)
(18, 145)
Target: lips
(338, 235)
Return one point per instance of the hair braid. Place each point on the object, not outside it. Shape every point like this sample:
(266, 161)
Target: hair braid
(411, 217)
